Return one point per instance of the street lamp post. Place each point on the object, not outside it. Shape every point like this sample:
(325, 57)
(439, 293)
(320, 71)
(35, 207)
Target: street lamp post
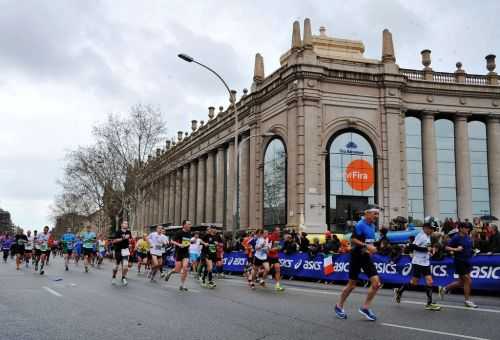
(232, 101)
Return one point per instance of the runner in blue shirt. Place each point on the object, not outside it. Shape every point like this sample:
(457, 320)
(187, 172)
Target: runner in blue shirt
(6, 245)
(89, 239)
(68, 242)
(78, 249)
(362, 240)
(461, 246)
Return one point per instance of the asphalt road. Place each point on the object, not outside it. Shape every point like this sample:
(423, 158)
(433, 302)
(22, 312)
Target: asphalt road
(87, 306)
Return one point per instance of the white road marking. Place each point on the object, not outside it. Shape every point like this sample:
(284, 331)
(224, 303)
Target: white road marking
(51, 291)
(487, 310)
(305, 290)
(432, 331)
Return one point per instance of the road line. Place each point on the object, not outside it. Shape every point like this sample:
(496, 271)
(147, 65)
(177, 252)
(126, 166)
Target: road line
(305, 290)
(432, 331)
(51, 291)
(487, 310)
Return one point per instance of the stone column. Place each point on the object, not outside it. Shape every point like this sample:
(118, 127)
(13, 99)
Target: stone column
(171, 201)
(253, 178)
(147, 219)
(230, 183)
(185, 191)
(429, 166)
(463, 168)
(244, 168)
(210, 192)
(178, 195)
(219, 186)
(161, 190)
(493, 140)
(166, 197)
(393, 167)
(192, 191)
(201, 190)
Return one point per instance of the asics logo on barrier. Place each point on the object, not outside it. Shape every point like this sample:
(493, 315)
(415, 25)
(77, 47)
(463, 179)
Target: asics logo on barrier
(341, 267)
(485, 272)
(406, 269)
(297, 265)
(385, 268)
(286, 263)
(312, 265)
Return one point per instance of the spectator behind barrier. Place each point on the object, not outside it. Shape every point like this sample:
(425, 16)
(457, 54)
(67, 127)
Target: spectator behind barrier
(494, 241)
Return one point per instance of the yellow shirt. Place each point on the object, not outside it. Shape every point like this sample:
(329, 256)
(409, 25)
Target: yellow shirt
(143, 246)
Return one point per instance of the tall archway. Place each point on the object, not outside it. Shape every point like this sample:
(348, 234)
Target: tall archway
(274, 184)
(351, 179)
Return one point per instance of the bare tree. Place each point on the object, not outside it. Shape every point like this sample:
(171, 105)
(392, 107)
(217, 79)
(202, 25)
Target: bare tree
(105, 175)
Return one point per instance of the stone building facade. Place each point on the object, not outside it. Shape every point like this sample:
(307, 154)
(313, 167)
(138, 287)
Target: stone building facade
(329, 132)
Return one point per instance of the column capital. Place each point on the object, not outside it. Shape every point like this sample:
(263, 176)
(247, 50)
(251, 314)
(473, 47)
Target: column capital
(493, 118)
(429, 114)
(221, 148)
(460, 115)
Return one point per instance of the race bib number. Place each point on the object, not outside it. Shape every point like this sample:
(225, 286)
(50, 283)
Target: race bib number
(44, 247)
(125, 252)
(158, 247)
(212, 248)
(186, 241)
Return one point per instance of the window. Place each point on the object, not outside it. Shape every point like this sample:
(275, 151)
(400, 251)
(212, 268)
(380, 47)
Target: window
(479, 168)
(445, 148)
(414, 175)
(274, 184)
(351, 180)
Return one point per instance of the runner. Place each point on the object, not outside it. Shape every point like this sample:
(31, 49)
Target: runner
(101, 249)
(89, 239)
(6, 247)
(461, 246)
(157, 241)
(43, 241)
(195, 252)
(249, 246)
(261, 262)
(141, 250)
(182, 241)
(20, 243)
(420, 263)
(28, 248)
(78, 249)
(220, 255)
(68, 242)
(274, 259)
(37, 252)
(50, 244)
(362, 240)
(122, 252)
(209, 256)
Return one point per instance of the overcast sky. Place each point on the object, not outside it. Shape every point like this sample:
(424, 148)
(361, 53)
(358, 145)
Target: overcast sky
(65, 64)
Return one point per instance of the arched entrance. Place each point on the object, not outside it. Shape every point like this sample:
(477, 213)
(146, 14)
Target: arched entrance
(351, 179)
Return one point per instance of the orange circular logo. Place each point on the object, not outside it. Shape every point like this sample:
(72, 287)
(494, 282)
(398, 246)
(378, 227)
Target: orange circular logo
(359, 175)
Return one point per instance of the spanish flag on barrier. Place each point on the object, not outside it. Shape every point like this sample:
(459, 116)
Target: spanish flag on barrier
(328, 267)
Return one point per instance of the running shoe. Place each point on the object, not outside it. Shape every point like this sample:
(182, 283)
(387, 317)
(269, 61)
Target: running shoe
(442, 292)
(397, 296)
(183, 289)
(212, 285)
(252, 286)
(368, 314)
(162, 275)
(86, 269)
(167, 277)
(279, 288)
(124, 281)
(66, 268)
(42, 272)
(114, 281)
(470, 304)
(433, 307)
(340, 313)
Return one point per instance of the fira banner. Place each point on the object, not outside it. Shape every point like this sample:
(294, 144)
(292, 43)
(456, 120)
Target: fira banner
(485, 268)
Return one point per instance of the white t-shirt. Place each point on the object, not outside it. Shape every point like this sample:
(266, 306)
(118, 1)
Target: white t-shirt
(195, 246)
(261, 249)
(419, 257)
(157, 243)
(31, 241)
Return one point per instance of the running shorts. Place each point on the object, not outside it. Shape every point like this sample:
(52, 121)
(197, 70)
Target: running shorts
(361, 261)
(462, 267)
(420, 271)
(258, 262)
(273, 260)
(87, 251)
